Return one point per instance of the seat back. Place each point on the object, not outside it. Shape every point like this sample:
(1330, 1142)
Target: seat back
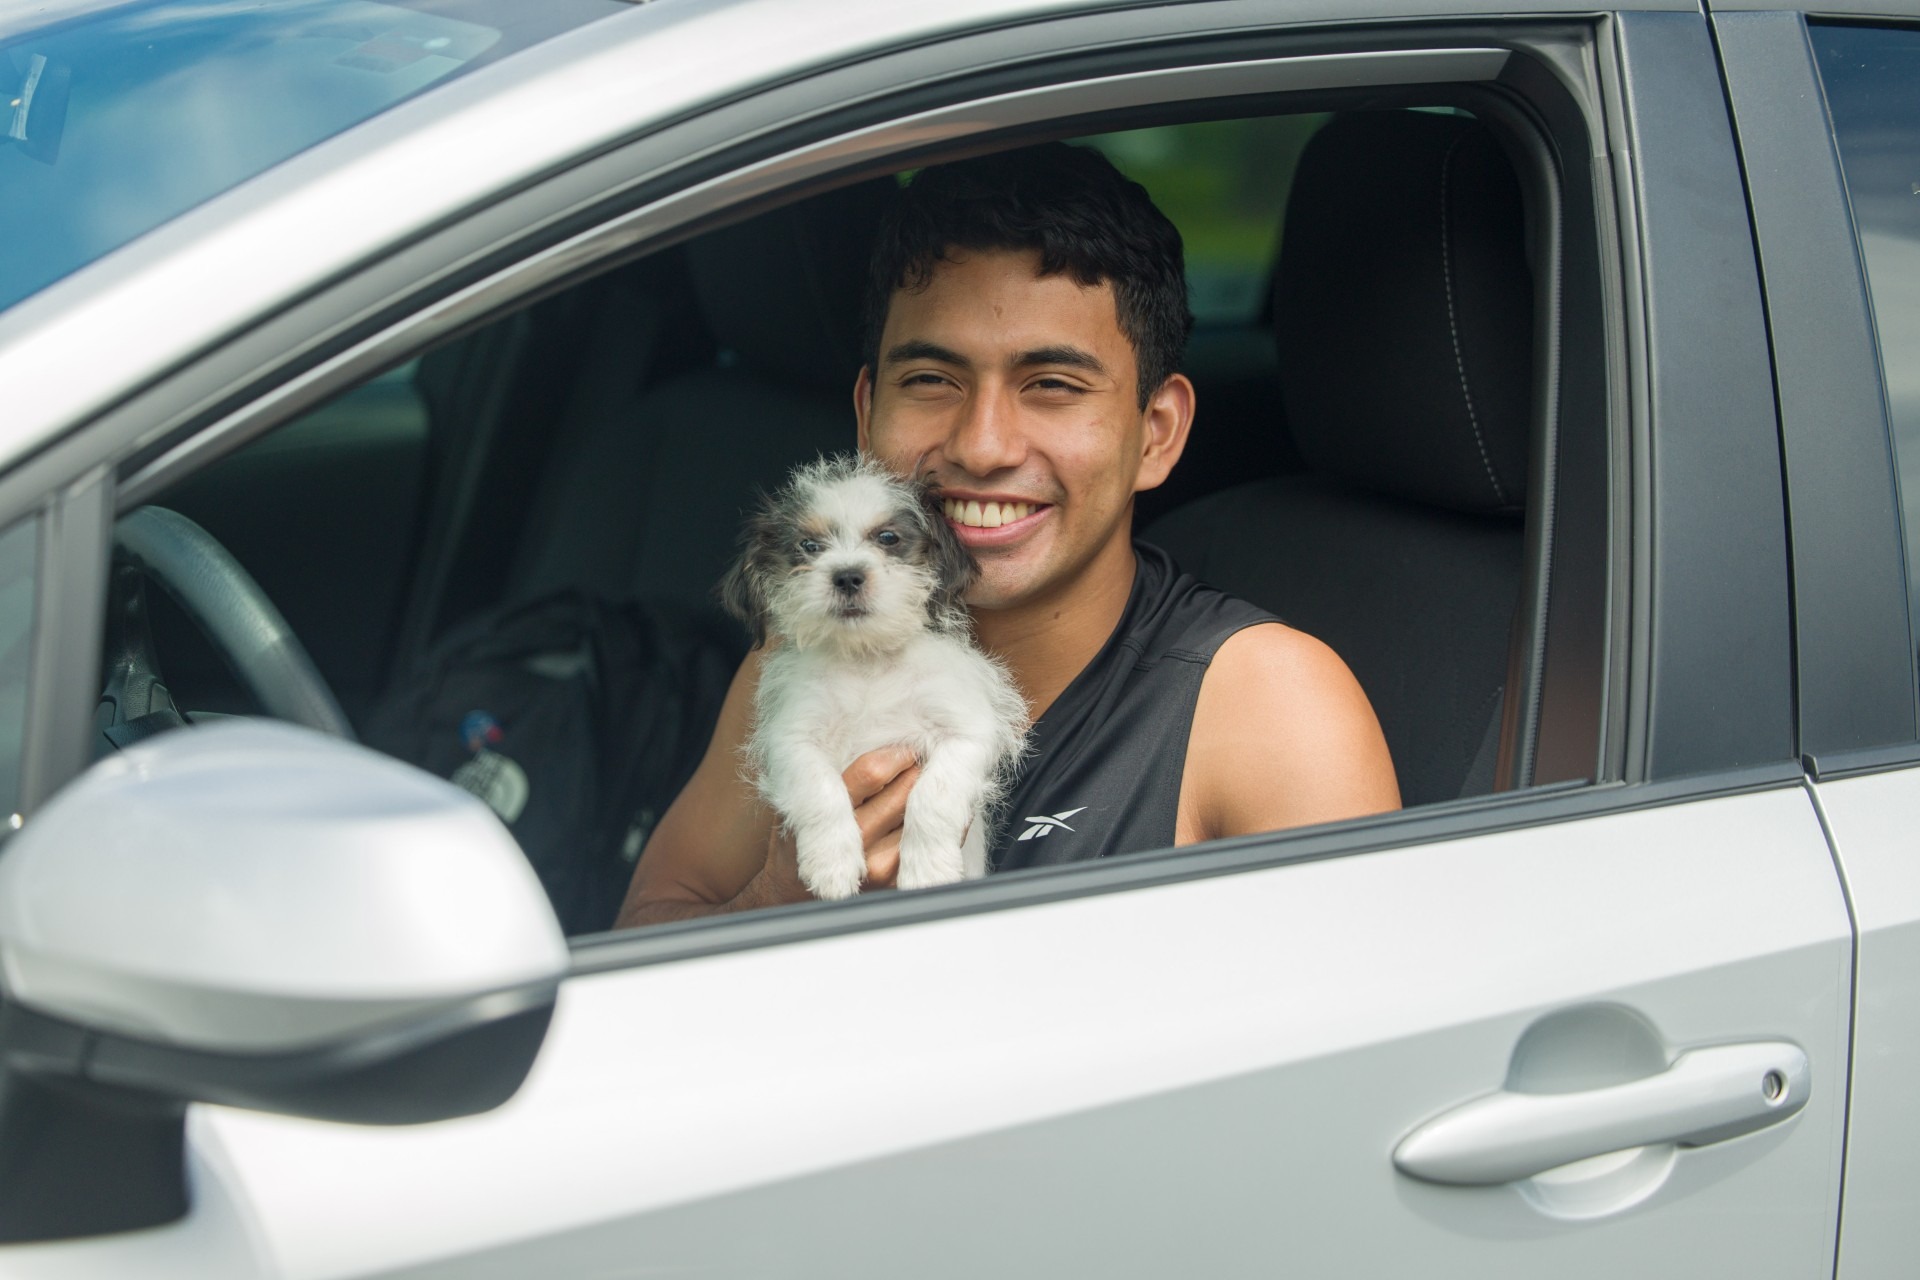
(634, 505)
(1403, 316)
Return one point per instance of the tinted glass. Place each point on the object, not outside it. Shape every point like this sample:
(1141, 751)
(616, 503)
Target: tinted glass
(18, 546)
(116, 121)
(1872, 77)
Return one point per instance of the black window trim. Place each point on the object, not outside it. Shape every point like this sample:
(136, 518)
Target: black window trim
(1712, 644)
(70, 599)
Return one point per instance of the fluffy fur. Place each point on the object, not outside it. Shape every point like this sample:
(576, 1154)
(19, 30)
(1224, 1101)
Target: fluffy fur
(860, 580)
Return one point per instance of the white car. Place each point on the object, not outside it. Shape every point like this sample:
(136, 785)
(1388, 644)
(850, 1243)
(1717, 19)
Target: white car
(1559, 366)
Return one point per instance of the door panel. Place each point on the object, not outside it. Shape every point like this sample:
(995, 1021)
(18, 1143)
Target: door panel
(1874, 835)
(1207, 1078)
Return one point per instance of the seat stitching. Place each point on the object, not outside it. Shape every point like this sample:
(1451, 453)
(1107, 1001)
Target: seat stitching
(1459, 361)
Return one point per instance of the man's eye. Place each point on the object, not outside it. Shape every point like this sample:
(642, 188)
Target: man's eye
(811, 547)
(887, 538)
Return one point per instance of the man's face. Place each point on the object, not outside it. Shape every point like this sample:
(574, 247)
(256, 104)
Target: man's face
(1016, 396)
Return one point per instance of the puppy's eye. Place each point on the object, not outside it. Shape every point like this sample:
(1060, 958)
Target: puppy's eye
(811, 547)
(887, 538)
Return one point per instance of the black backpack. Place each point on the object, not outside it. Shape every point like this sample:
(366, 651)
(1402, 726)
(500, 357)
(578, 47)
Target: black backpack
(577, 720)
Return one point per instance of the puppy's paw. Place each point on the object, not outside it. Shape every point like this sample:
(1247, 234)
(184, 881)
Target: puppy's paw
(925, 864)
(834, 882)
(927, 877)
(831, 868)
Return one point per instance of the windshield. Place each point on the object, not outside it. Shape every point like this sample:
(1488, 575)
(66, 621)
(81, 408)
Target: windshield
(115, 121)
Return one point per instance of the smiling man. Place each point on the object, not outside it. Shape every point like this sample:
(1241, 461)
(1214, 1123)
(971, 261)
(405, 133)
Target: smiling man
(1026, 318)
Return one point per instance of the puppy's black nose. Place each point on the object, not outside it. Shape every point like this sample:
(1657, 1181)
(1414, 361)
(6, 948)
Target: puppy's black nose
(849, 581)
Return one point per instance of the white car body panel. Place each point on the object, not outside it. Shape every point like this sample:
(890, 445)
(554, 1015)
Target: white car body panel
(1878, 843)
(1203, 1078)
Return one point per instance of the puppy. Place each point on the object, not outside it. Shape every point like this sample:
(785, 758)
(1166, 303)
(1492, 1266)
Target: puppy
(860, 580)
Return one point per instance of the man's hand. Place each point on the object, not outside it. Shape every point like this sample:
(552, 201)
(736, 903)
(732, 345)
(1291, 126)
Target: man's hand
(877, 786)
(718, 847)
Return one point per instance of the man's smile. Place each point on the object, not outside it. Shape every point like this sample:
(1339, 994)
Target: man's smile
(993, 521)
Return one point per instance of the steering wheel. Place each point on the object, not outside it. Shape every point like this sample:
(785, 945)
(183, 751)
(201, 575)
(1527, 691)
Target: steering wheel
(153, 543)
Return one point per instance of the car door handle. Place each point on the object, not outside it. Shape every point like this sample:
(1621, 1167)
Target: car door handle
(1707, 1095)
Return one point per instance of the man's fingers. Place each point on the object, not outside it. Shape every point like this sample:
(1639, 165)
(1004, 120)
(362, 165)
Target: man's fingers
(883, 862)
(882, 813)
(872, 772)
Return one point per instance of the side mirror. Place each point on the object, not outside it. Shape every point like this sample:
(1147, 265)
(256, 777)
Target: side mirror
(260, 916)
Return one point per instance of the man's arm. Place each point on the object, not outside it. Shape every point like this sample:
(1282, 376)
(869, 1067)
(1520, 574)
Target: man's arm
(1282, 736)
(718, 848)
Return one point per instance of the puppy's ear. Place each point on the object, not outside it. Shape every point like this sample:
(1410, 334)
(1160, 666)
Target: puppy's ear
(952, 564)
(743, 591)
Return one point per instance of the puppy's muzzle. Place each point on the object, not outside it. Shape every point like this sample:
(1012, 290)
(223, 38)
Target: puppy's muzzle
(849, 586)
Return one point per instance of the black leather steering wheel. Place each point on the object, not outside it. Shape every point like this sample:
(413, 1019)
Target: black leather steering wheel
(229, 608)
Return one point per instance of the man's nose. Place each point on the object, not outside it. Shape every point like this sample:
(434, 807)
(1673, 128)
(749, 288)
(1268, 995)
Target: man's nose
(987, 437)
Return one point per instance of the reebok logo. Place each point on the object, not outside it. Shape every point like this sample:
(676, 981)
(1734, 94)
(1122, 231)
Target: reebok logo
(1044, 825)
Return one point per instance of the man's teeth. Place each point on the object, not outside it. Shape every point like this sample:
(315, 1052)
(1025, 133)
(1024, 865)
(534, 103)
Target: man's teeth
(986, 515)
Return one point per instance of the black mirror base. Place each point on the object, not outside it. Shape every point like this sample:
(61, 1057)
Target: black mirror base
(85, 1159)
(93, 1124)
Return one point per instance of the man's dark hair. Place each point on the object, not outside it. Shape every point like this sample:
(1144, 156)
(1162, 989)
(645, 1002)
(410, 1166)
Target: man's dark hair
(1085, 217)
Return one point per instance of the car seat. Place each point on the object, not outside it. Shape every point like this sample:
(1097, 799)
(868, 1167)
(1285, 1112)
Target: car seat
(647, 498)
(601, 668)
(1404, 320)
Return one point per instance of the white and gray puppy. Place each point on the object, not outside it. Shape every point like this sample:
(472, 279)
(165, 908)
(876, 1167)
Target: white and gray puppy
(860, 579)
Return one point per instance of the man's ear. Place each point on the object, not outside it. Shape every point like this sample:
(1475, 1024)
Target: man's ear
(863, 406)
(1167, 418)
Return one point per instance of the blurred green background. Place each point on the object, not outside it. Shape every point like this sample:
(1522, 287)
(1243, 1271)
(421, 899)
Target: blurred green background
(1224, 183)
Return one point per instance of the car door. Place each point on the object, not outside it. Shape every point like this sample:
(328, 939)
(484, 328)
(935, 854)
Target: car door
(1229, 1059)
(1828, 126)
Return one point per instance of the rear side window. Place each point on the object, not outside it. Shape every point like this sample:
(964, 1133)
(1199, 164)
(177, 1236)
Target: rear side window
(1871, 74)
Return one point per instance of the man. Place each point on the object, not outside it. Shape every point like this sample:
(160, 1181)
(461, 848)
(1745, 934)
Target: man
(1026, 317)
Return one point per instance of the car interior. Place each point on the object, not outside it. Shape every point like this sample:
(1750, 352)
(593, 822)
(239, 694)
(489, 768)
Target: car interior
(1360, 464)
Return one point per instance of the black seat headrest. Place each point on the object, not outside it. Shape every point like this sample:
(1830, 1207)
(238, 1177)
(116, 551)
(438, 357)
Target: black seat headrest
(783, 291)
(1403, 308)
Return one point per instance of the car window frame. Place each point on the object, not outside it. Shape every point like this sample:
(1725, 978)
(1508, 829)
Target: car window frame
(437, 286)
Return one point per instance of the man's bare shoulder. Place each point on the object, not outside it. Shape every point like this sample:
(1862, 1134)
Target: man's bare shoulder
(1283, 736)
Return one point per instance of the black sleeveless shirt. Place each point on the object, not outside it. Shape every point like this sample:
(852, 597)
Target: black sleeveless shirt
(1102, 774)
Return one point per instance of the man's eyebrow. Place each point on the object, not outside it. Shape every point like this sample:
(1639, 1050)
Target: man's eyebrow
(919, 350)
(1070, 357)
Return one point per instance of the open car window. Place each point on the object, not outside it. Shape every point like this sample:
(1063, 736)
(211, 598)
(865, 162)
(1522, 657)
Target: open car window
(502, 555)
